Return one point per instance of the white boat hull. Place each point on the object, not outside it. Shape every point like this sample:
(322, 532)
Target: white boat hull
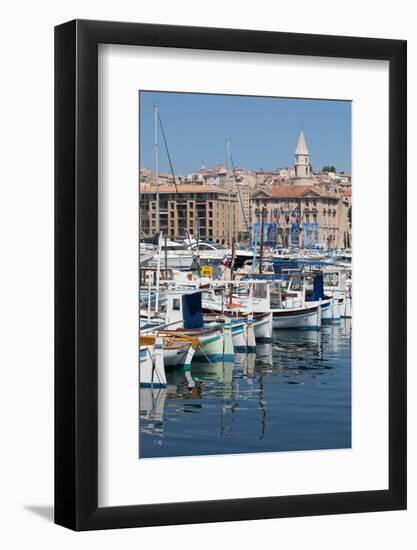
(263, 327)
(176, 357)
(211, 345)
(326, 311)
(346, 309)
(304, 318)
(151, 363)
(242, 338)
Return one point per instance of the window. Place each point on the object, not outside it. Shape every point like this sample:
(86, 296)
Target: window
(331, 279)
(296, 284)
(176, 304)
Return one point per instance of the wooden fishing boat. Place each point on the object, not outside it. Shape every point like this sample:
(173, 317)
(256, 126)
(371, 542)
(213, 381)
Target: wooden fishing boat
(307, 317)
(178, 350)
(151, 364)
(262, 322)
(210, 341)
(242, 339)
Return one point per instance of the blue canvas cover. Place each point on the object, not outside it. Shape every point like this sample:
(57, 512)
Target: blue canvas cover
(191, 310)
(318, 290)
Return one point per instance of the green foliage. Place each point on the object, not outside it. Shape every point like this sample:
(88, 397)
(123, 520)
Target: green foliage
(328, 169)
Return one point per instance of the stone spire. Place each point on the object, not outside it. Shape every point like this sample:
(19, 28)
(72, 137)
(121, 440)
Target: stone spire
(302, 161)
(301, 145)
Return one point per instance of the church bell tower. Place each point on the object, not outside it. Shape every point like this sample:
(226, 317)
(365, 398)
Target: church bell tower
(302, 161)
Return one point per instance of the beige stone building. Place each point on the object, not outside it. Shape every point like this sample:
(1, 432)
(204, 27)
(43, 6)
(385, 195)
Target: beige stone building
(308, 211)
(305, 216)
(209, 212)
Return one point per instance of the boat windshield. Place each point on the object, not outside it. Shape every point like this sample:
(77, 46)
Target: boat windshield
(331, 279)
(259, 290)
(296, 284)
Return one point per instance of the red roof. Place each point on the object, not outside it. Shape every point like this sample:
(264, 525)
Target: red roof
(292, 190)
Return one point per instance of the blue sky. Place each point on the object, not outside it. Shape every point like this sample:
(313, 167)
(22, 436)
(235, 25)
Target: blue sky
(263, 132)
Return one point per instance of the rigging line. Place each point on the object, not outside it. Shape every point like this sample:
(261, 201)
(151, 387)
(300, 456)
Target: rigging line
(167, 151)
(240, 197)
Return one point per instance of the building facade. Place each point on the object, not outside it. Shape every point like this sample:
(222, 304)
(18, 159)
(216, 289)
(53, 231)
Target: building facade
(304, 216)
(209, 212)
(303, 208)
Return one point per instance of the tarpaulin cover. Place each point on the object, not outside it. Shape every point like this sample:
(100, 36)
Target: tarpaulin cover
(191, 310)
(318, 290)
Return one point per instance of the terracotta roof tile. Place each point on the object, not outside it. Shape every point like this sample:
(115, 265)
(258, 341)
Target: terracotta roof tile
(293, 190)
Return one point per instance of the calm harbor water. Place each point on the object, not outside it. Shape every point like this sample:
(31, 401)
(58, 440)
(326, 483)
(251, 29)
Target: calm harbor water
(294, 394)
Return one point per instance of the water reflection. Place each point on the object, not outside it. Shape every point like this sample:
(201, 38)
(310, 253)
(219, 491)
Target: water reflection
(294, 393)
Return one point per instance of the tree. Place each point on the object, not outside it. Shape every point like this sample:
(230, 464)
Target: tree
(349, 215)
(329, 169)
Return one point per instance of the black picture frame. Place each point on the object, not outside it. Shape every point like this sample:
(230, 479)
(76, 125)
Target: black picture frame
(76, 272)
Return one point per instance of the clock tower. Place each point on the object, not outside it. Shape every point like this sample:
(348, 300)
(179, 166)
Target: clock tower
(302, 161)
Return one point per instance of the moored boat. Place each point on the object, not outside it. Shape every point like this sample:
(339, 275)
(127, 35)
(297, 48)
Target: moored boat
(151, 364)
(307, 317)
(211, 343)
(262, 322)
(177, 349)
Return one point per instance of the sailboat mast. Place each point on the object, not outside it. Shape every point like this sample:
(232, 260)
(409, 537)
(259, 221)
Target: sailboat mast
(229, 195)
(158, 273)
(155, 113)
(232, 266)
(261, 252)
